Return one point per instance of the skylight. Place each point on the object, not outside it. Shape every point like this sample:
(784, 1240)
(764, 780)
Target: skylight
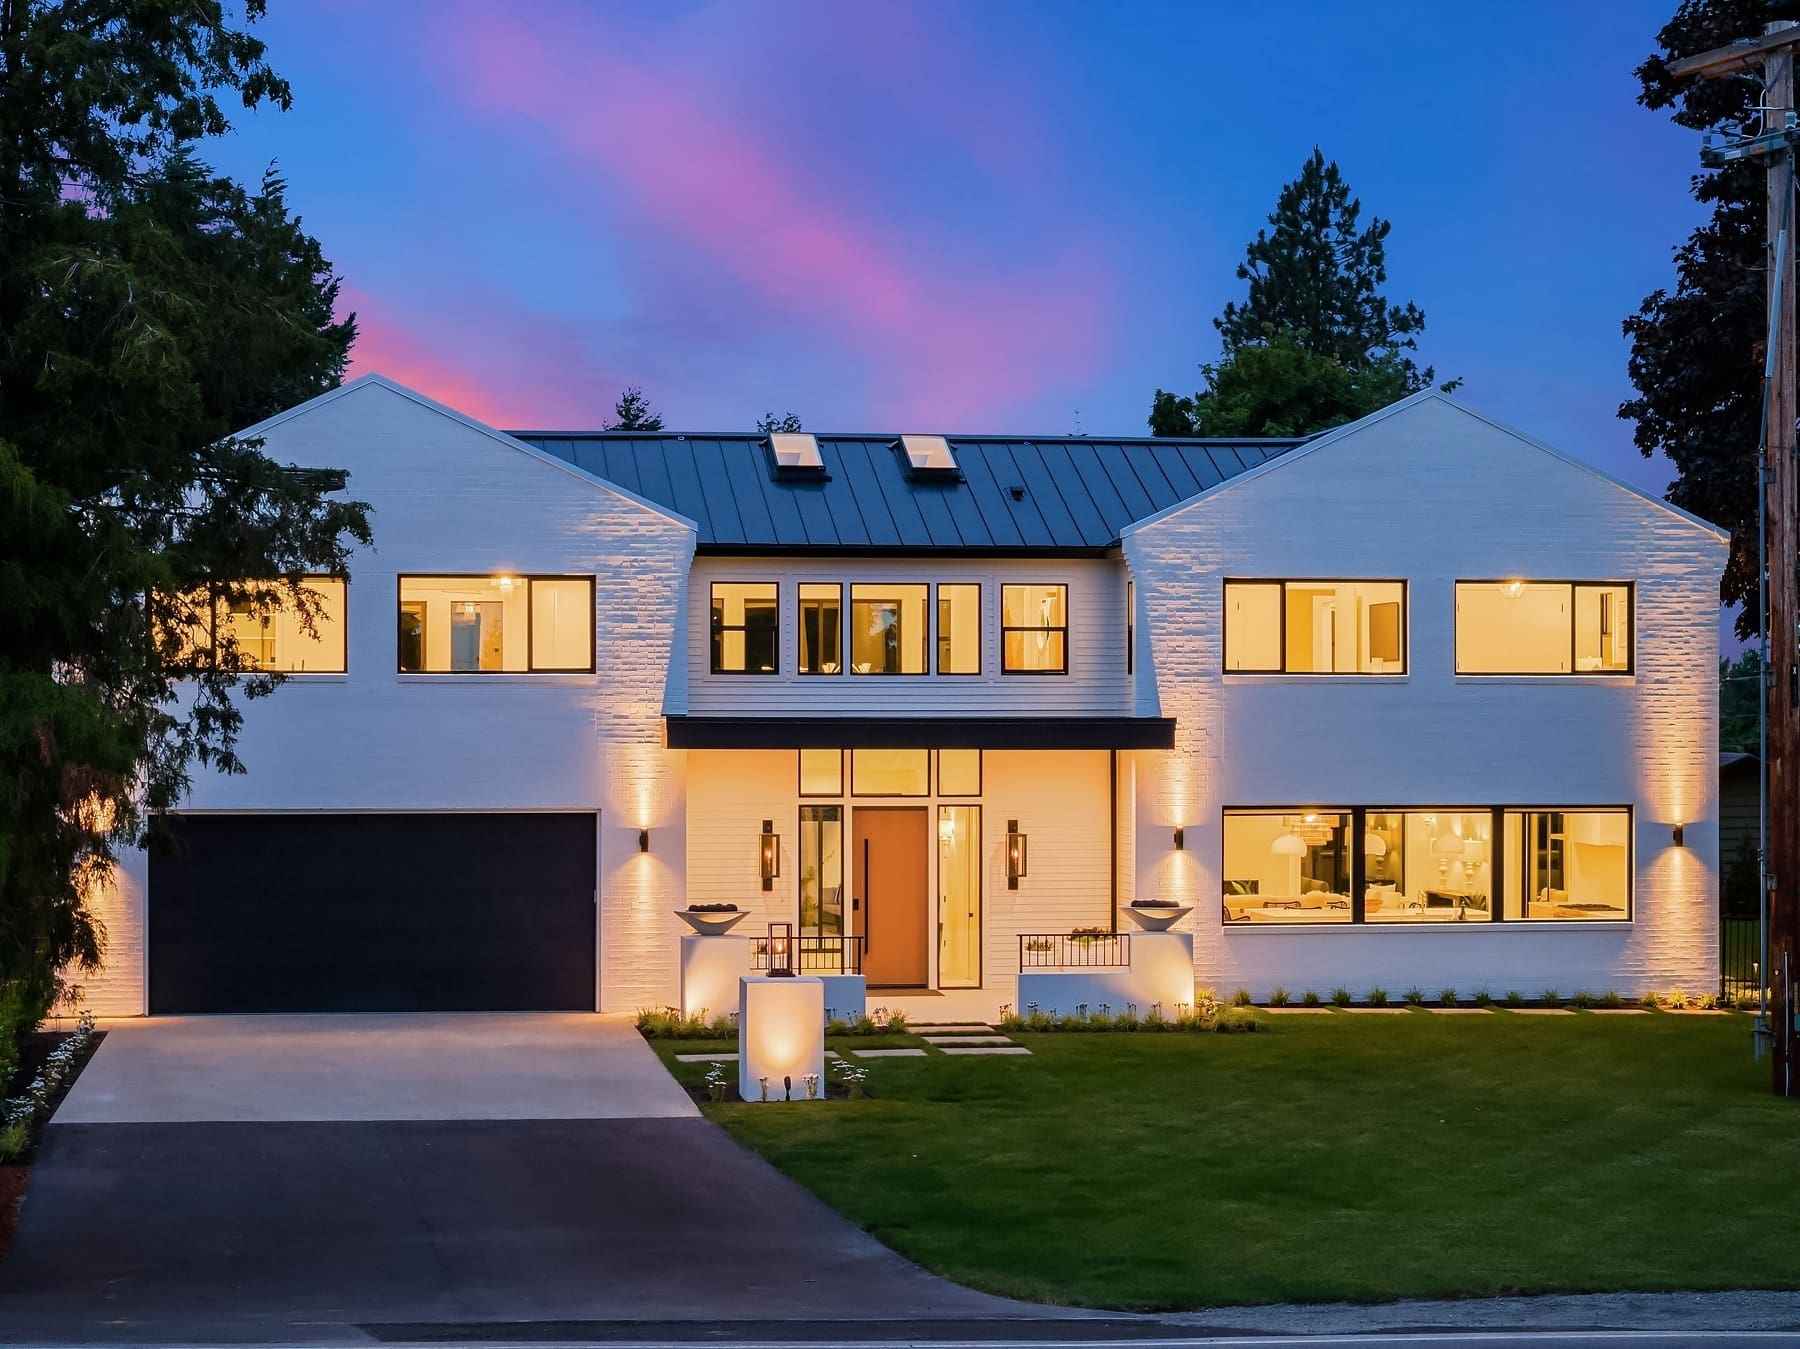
(795, 449)
(928, 454)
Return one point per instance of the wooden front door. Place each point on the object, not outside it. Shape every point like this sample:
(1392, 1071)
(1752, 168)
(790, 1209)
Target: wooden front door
(889, 857)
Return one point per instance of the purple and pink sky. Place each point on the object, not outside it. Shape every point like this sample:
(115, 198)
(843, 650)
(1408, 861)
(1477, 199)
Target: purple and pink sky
(937, 216)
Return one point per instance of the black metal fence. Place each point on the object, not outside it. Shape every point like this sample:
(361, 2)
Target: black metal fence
(1074, 950)
(815, 954)
(1740, 958)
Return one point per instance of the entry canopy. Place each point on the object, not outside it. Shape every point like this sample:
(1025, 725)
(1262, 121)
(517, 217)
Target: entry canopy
(1059, 732)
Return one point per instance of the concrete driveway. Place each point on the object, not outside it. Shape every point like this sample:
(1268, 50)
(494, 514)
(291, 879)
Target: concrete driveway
(350, 1179)
(431, 1066)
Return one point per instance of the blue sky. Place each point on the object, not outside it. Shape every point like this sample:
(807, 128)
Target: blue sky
(948, 217)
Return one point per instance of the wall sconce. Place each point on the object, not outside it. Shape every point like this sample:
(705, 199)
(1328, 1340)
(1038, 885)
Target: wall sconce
(643, 840)
(1015, 855)
(781, 950)
(1679, 833)
(771, 854)
(1180, 839)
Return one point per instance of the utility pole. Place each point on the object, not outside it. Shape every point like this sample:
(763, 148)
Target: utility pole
(1769, 60)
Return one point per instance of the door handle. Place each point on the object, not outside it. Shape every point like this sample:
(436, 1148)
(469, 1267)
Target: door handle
(855, 900)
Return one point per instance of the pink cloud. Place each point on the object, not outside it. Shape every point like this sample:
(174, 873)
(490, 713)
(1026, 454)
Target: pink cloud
(944, 335)
(484, 358)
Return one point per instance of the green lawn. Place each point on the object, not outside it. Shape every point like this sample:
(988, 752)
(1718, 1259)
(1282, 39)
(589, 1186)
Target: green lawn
(1337, 1156)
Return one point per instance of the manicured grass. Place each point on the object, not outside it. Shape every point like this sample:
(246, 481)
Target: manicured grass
(1337, 1156)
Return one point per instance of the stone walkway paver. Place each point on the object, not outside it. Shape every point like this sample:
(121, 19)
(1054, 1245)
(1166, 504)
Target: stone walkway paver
(941, 1040)
(888, 1053)
(988, 1049)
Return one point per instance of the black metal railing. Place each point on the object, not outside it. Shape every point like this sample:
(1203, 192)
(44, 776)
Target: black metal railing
(1074, 950)
(815, 954)
(1740, 955)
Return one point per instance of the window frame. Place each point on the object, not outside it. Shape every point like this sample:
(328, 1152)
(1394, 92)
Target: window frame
(930, 776)
(1283, 582)
(937, 636)
(215, 601)
(1005, 629)
(1629, 587)
(800, 775)
(592, 667)
(800, 602)
(1500, 862)
(937, 776)
(713, 633)
(928, 663)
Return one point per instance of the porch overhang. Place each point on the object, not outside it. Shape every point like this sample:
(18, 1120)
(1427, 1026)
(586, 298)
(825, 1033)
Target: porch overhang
(1061, 732)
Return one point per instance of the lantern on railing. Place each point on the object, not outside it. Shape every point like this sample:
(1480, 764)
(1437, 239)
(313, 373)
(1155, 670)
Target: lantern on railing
(770, 843)
(1015, 855)
(781, 949)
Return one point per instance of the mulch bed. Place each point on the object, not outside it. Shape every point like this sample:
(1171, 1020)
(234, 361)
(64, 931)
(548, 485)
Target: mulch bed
(14, 1174)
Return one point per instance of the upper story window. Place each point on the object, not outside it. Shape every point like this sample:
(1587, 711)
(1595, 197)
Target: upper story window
(821, 628)
(1543, 627)
(1315, 627)
(745, 627)
(959, 629)
(1034, 629)
(267, 630)
(496, 624)
(888, 624)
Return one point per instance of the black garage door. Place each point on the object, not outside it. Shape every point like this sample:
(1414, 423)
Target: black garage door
(373, 913)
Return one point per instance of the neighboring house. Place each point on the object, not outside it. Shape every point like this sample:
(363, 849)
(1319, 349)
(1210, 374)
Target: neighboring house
(1417, 701)
(1740, 828)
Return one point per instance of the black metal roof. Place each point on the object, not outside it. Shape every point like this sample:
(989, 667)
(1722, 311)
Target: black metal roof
(1008, 495)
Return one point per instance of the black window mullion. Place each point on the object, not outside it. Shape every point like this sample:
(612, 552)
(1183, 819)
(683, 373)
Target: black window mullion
(1497, 882)
(1358, 862)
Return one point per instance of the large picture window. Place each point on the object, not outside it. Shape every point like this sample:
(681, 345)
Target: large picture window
(265, 629)
(1034, 629)
(496, 624)
(745, 627)
(1543, 627)
(1315, 627)
(1416, 865)
(888, 627)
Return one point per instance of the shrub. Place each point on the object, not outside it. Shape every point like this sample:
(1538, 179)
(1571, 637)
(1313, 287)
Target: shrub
(15, 1136)
(1279, 998)
(1041, 1020)
(1340, 997)
(837, 1026)
(1514, 998)
(1446, 997)
(1551, 998)
(1611, 998)
(1581, 1000)
(1650, 1002)
(896, 1022)
(1310, 998)
(1678, 1000)
(1241, 998)
(1232, 1020)
(1415, 996)
(667, 1023)
(1707, 1002)
(1378, 996)
(1483, 998)
(1127, 1019)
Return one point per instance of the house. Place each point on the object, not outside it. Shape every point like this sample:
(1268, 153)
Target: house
(1419, 701)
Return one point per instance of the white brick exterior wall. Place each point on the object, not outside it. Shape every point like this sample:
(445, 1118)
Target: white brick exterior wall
(1432, 492)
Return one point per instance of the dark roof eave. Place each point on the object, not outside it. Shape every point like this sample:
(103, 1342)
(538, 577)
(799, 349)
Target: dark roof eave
(863, 732)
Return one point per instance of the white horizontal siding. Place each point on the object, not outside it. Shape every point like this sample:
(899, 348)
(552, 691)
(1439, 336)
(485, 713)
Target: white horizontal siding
(1095, 684)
